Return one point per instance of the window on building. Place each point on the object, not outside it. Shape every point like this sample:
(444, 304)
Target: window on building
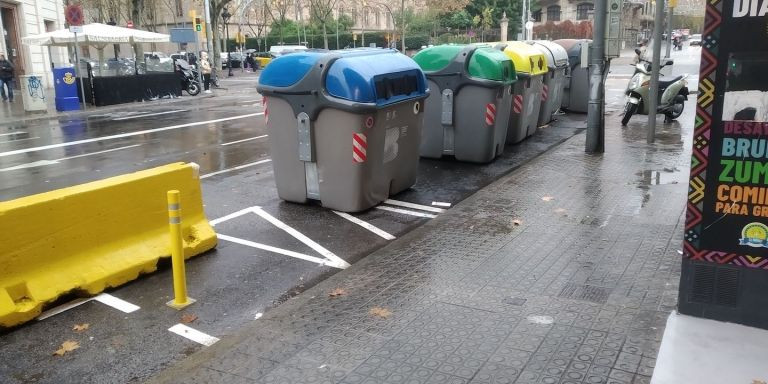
(536, 16)
(582, 11)
(50, 25)
(354, 16)
(179, 9)
(553, 13)
(365, 17)
(378, 18)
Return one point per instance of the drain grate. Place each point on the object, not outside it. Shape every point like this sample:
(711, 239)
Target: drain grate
(591, 293)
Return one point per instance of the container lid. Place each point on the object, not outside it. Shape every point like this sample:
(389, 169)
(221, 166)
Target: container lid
(527, 59)
(573, 48)
(491, 64)
(380, 76)
(364, 75)
(484, 62)
(287, 70)
(435, 58)
(557, 56)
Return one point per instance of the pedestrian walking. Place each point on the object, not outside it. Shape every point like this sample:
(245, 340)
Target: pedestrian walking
(6, 78)
(205, 69)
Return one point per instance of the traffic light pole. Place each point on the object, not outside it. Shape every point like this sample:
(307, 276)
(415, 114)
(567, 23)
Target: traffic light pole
(596, 106)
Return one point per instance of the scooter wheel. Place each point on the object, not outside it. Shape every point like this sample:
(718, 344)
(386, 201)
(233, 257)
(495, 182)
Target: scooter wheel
(629, 110)
(193, 89)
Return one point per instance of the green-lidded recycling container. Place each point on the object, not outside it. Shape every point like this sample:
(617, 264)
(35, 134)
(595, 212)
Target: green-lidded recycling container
(554, 80)
(344, 126)
(531, 67)
(467, 112)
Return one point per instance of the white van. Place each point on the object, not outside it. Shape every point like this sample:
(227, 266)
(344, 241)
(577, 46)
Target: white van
(279, 50)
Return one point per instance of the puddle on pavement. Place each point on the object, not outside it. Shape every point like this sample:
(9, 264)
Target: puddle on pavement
(665, 176)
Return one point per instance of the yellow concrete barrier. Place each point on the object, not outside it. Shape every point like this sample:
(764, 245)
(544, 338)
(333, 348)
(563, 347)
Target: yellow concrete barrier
(89, 237)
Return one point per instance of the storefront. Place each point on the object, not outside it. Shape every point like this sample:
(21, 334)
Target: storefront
(20, 19)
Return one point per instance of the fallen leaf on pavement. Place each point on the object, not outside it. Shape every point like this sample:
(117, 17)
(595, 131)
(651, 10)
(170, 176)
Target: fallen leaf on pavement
(81, 327)
(758, 382)
(67, 346)
(547, 198)
(380, 312)
(560, 210)
(337, 292)
(517, 222)
(188, 318)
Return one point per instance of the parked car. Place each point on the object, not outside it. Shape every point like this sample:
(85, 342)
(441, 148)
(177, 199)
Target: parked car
(237, 59)
(695, 39)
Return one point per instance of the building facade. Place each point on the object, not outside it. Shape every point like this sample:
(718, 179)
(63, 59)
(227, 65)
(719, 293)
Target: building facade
(30, 17)
(637, 20)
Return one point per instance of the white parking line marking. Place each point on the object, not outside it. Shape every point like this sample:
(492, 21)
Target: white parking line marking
(128, 134)
(12, 133)
(231, 216)
(63, 308)
(235, 168)
(381, 233)
(270, 248)
(440, 204)
(114, 302)
(414, 206)
(149, 114)
(338, 262)
(406, 212)
(244, 140)
(193, 334)
(41, 163)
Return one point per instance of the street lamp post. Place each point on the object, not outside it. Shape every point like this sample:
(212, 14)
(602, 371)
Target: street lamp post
(225, 15)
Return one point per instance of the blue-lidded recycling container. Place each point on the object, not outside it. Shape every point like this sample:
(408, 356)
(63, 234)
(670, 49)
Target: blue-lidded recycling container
(344, 126)
(65, 87)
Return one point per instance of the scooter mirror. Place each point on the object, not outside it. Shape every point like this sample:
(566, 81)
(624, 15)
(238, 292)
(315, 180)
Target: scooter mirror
(637, 51)
(669, 62)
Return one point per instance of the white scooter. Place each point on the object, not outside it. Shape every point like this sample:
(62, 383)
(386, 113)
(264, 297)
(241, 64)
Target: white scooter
(672, 93)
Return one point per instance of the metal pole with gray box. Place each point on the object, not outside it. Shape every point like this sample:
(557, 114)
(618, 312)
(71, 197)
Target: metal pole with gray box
(344, 126)
(477, 82)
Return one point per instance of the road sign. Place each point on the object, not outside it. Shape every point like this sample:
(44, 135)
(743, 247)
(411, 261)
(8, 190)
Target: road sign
(76, 28)
(613, 29)
(74, 14)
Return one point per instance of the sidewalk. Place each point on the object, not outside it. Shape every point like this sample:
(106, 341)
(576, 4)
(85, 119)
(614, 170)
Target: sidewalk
(577, 291)
(14, 112)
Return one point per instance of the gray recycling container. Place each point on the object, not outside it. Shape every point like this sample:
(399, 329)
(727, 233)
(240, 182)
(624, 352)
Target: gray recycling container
(554, 80)
(576, 95)
(531, 67)
(344, 126)
(467, 111)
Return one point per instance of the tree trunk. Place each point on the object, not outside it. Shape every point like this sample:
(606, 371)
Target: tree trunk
(325, 37)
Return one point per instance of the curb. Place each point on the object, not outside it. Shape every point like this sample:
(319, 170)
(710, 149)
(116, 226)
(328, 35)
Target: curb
(109, 108)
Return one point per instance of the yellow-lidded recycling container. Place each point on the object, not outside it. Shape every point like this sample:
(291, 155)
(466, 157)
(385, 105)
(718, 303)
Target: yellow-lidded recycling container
(531, 67)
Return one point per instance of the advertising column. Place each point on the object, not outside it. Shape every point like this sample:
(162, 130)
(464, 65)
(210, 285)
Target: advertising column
(725, 258)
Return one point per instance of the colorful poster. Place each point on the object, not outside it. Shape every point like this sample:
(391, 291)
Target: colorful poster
(727, 220)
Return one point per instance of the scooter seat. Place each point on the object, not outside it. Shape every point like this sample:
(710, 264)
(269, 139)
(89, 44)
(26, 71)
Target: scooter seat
(666, 83)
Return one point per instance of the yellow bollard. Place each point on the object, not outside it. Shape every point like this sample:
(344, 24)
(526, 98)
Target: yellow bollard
(181, 300)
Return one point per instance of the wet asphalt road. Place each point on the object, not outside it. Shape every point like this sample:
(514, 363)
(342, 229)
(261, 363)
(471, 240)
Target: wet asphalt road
(233, 284)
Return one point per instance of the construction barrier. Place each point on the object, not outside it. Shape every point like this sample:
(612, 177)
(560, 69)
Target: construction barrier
(90, 237)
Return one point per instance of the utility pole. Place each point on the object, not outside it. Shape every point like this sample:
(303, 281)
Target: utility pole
(208, 35)
(653, 95)
(669, 29)
(596, 105)
(402, 26)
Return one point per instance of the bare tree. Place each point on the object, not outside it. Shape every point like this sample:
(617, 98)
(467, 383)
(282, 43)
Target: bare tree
(322, 11)
(277, 10)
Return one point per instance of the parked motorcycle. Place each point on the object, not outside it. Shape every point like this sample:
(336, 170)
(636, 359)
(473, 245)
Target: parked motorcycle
(190, 78)
(672, 93)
